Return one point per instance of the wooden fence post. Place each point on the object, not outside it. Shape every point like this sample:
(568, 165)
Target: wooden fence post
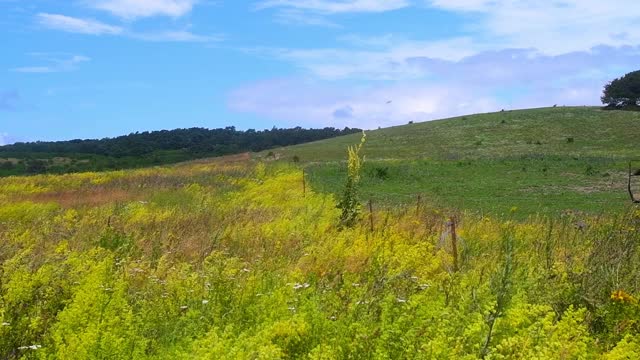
(633, 198)
(371, 214)
(454, 243)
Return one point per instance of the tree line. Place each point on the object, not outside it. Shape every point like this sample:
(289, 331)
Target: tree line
(149, 148)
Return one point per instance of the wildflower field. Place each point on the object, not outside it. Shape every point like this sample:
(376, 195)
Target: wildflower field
(236, 260)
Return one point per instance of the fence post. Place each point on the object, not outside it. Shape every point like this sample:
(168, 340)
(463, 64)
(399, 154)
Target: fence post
(454, 243)
(371, 214)
(633, 198)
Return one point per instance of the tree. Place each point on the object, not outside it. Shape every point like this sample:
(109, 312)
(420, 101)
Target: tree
(623, 93)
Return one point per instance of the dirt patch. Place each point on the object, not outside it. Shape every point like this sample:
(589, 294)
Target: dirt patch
(227, 159)
(94, 197)
(14, 161)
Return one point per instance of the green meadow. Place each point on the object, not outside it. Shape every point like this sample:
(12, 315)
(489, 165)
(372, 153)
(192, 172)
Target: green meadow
(548, 161)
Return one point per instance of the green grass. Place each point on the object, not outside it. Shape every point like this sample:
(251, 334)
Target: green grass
(492, 162)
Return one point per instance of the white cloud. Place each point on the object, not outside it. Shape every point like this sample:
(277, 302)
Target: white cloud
(316, 12)
(552, 27)
(176, 36)
(389, 61)
(93, 27)
(55, 63)
(132, 9)
(4, 138)
(488, 81)
(321, 104)
(336, 6)
(76, 25)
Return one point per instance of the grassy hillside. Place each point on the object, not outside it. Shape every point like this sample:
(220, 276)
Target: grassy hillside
(541, 161)
(509, 134)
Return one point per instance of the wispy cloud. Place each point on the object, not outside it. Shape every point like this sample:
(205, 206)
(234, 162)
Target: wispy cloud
(298, 17)
(317, 12)
(553, 27)
(322, 104)
(76, 25)
(93, 27)
(9, 100)
(5, 139)
(390, 59)
(132, 9)
(336, 6)
(176, 36)
(488, 81)
(55, 63)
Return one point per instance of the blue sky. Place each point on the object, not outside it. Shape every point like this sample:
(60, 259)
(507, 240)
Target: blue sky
(98, 68)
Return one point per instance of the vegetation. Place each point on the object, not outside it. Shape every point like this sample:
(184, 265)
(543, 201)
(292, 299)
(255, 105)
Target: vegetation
(148, 148)
(623, 93)
(546, 161)
(227, 259)
(350, 202)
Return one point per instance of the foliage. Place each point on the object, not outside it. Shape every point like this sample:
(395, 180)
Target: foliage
(623, 92)
(228, 260)
(350, 203)
(149, 148)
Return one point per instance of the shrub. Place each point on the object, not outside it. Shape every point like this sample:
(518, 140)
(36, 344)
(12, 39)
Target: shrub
(381, 173)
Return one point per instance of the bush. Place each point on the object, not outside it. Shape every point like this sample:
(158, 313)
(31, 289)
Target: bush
(381, 173)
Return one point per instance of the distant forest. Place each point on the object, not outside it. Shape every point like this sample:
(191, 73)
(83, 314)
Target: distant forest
(149, 148)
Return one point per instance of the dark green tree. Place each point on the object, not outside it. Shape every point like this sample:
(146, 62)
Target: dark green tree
(623, 93)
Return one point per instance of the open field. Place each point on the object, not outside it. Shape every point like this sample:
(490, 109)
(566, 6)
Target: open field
(229, 259)
(541, 161)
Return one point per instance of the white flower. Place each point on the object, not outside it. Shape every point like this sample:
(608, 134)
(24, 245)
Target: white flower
(184, 307)
(297, 286)
(401, 300)
(32, 347)
(245, 270)
(6, 324)
(205, 302)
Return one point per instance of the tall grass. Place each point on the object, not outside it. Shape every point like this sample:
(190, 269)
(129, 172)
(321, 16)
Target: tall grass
(231, 261)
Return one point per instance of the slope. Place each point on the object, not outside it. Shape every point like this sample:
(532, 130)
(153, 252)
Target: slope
(546, 160)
